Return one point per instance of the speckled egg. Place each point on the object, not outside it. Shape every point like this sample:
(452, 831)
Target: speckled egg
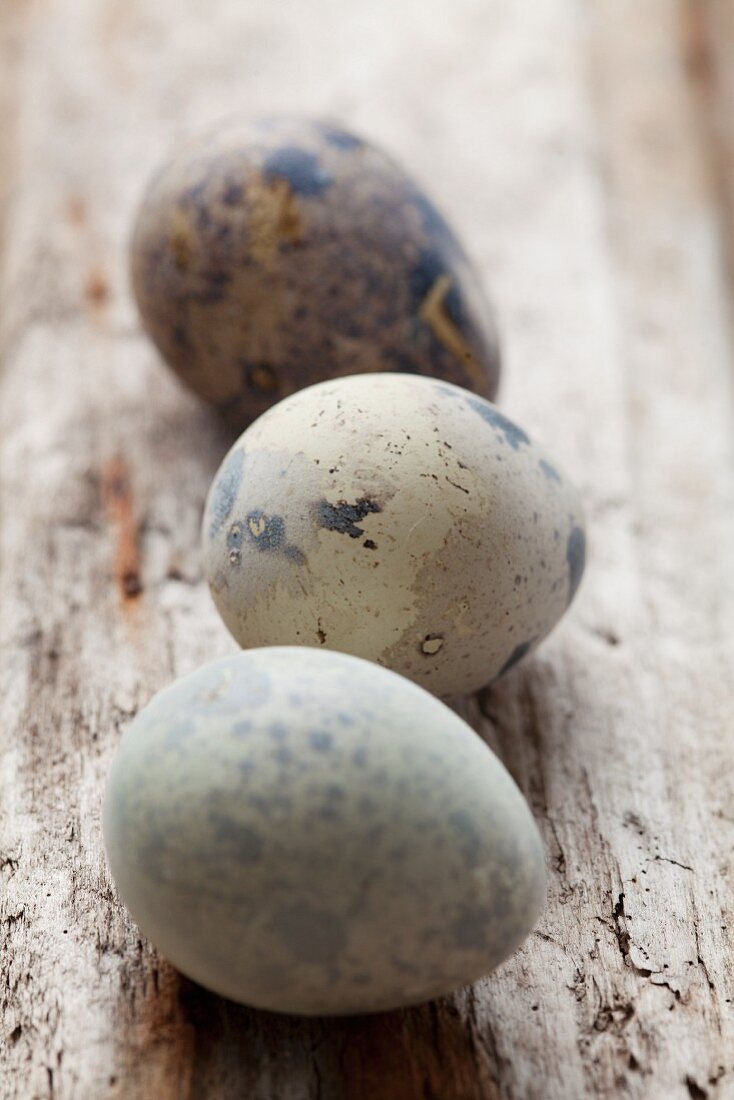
(397, 518)
(306, 832)
(273, 254)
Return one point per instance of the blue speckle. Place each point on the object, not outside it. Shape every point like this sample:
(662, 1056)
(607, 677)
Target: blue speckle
(234, 537)
(265, 532)
(278, 731)
(469, 929)
(320, 741)
(301, 169)
(517, 655)
(550, 471)
(294, 554)
(283, 754)
(448, 391)
(343, 517)
(225, 490)
(512, 434)
(176, 732)
(233, 194)
(468, 837)
(240, 841)
(453, 303)
(435, 225)
(339, 137)
(576, 558)
(427, 269)
(313, 936)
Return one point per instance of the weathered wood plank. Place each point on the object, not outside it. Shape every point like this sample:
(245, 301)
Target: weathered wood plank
(584, 152)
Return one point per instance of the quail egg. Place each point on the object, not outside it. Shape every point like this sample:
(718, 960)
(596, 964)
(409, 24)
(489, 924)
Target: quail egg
(397, 518)
(271, 254)
(307, 832)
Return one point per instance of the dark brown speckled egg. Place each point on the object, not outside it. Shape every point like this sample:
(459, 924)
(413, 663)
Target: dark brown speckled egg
(273, 254)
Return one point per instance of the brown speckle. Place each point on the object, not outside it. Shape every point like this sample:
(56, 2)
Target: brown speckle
(180, 242)
(274, 218)
(433, 313)
(76, 210)
(262, 377)
(117, 496)
(96, 288)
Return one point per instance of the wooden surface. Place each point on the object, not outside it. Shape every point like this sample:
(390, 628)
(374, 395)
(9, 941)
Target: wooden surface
(586, 153)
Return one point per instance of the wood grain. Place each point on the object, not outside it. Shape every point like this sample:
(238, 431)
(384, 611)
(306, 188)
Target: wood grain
(586, 153)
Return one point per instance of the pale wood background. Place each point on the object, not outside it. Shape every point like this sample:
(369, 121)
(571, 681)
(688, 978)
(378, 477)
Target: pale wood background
(586, 152)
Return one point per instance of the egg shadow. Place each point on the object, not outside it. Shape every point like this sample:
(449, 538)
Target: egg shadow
(428, 1052)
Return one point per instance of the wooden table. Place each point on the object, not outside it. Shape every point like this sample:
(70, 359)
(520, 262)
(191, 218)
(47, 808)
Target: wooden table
(585, 150)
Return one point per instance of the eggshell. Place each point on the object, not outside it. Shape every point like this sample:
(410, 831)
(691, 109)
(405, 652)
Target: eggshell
(397, 518)
(306, 832)
(272, 254)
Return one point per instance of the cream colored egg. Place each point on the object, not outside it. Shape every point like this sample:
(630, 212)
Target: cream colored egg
(397, 518)
(306, 832)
